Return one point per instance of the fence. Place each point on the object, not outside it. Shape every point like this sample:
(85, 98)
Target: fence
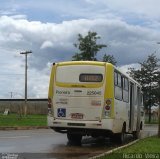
(34, 106)
(154, 118)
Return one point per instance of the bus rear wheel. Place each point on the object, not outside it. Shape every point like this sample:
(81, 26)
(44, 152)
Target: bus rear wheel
(121, 137)
(74, 138)
(136, 134)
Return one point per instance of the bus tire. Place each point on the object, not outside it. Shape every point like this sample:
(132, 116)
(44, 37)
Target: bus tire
(121, 137)
(74, 138)
(136, 134)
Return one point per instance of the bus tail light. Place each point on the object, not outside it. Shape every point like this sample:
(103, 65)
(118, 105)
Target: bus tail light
(108, 102)
(49, 106)
(107, 107)
(49, 102)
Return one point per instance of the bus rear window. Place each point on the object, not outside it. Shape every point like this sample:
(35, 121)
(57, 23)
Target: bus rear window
(90, 77)
(80, 73)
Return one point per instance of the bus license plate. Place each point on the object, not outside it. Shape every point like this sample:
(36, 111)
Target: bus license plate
(77, 116)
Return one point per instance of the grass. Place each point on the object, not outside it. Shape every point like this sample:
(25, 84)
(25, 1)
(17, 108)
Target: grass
(16, 120)
(144, 147)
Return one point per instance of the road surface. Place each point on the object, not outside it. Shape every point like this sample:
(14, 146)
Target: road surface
(45, 143)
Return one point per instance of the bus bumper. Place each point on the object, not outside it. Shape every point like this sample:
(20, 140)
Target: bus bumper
(58, 124)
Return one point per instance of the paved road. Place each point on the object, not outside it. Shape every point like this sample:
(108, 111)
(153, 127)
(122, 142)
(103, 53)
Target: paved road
(47, 144)
(47, 141)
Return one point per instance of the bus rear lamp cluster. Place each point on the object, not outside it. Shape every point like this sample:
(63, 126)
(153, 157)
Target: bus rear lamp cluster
(49, 102)
(108, 104)
(49, 106)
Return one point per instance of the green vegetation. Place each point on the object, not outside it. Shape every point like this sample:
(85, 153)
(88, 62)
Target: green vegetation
(16, 120)
(110, 59)
(148, 75)
(88, 47)
(147, 146)
(152, 122)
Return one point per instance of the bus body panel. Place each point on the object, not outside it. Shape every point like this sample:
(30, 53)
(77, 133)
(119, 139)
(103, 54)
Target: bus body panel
(82, 105)
(75, 100)
(121, 115)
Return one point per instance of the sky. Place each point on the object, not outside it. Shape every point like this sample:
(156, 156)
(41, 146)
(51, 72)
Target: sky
(129, 28)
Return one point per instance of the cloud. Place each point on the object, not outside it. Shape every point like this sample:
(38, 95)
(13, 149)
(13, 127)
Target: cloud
(53, 42)
(46, 44)
(129, 28)
(143, 8)
(124, 68)
(19, 16)
(12, 76)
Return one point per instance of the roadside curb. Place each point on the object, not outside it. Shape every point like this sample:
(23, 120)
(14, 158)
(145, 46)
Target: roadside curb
(113, 150)
(24, 127)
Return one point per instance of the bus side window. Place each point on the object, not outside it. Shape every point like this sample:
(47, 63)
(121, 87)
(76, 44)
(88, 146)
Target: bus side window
(119, 80)
(125, 90)
(126, 84)
(118, 85)
(115, 79)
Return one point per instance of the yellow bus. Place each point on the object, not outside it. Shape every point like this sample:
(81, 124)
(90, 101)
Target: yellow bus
(95, 99)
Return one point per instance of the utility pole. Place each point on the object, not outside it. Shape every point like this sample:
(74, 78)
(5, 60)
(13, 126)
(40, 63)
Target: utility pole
(10, 101)
(11, 94)
(26, 67)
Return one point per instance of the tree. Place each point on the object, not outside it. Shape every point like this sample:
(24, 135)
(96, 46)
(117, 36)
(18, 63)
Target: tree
(147, 77)
(156, 92)
(110, 59)
(88, 47)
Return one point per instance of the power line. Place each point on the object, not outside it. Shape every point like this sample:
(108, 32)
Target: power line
(11, 74)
